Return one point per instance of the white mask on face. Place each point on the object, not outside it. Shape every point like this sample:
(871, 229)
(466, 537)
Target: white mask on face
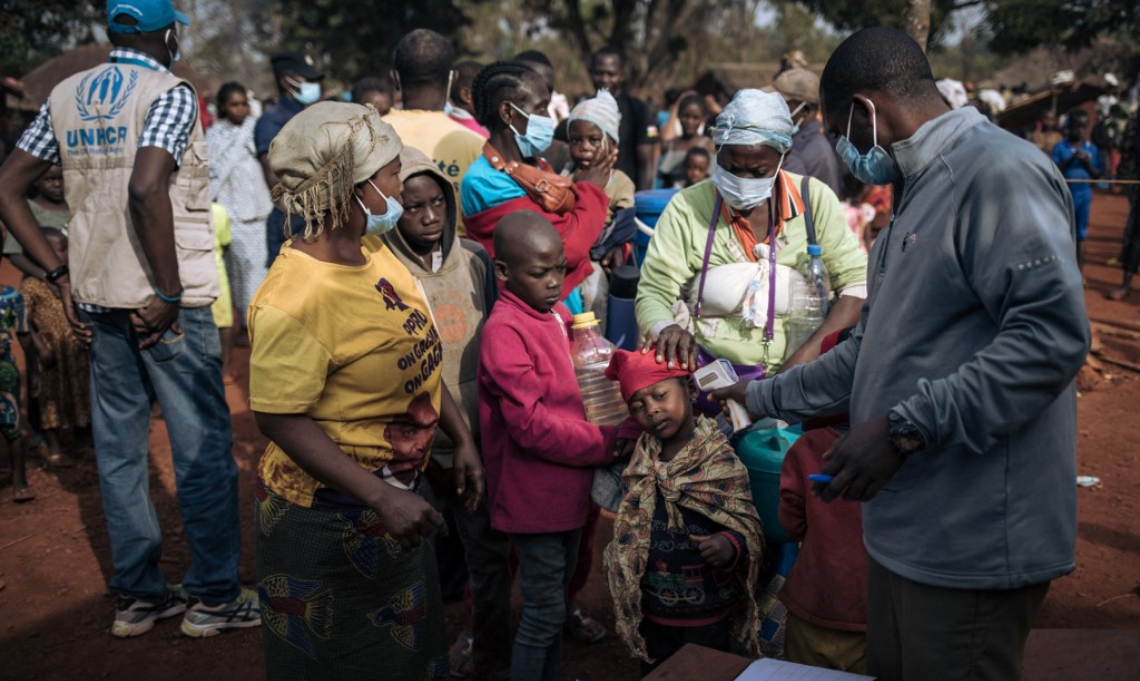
(744, 193)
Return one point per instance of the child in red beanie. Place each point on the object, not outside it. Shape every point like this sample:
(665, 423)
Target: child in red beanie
(686, 547)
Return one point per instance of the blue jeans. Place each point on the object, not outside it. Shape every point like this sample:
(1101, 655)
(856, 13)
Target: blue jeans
(546, 563)
(183, 372)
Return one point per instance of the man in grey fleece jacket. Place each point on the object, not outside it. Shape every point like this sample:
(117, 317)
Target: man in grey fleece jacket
(958, 377)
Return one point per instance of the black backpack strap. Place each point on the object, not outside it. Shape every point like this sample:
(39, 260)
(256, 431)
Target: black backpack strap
(809, 219)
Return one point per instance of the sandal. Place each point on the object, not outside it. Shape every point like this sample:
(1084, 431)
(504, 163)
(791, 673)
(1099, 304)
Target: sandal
(583, 627)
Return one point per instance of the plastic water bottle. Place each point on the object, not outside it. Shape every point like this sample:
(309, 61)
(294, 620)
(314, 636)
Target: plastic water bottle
(591, 354)
(811, 293)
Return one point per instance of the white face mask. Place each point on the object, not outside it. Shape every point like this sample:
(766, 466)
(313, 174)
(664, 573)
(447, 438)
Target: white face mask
(744, 193)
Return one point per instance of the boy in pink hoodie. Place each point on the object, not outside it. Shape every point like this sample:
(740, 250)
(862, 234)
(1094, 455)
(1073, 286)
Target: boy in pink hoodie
(538, 449)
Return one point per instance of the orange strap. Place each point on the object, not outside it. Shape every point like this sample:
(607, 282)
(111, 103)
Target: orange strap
(791, 204)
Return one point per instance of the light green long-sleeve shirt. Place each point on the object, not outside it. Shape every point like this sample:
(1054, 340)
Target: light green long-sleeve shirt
(678, 246)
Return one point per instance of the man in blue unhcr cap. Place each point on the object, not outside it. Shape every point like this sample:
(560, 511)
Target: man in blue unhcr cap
(138, 286)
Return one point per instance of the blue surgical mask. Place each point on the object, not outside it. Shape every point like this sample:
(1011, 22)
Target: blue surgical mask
(377, 225)
(539, 134)
(874, 167)
(307, 93)
(744, 193)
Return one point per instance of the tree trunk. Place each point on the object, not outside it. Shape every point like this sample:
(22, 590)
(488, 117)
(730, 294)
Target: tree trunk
(916, 18)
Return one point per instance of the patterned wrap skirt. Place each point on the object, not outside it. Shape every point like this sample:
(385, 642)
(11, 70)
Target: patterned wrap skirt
(341, 600)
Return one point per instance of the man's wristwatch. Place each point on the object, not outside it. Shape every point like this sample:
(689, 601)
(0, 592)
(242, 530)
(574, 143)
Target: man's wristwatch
(906, 438)
(56, 274)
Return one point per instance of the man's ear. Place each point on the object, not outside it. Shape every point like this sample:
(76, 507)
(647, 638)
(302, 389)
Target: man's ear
(465, 96)
(501, 272)
(394, 76)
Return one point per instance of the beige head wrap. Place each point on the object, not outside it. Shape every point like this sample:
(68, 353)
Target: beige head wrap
(321, 154)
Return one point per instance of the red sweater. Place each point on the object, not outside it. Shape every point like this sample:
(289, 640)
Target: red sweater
(828, 584)
(539, 451)
(579, 228)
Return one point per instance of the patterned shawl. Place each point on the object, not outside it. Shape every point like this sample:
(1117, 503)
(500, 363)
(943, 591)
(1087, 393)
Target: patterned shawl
(705, 477)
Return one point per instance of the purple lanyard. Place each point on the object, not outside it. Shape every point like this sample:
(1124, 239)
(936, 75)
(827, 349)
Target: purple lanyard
(770, 324)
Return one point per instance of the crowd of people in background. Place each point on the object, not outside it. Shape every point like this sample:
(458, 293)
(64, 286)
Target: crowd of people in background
(406, 262)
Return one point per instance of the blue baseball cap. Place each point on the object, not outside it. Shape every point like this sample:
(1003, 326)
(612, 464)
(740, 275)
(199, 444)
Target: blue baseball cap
(150, 15)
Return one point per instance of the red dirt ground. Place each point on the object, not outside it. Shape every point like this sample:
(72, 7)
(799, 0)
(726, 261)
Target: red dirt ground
(54, 559)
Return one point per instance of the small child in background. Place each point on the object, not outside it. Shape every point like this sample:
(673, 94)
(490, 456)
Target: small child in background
(223, 307)
(538, 449)
(592, 131)
(1079, 159)
(685, 557)
(826, 591)
(58, 362)
(13, 321)
(697, 164)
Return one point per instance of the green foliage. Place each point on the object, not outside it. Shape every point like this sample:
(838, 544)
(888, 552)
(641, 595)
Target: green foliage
(33, 31)
(1021, 25)
(353, 38)
(850, 15)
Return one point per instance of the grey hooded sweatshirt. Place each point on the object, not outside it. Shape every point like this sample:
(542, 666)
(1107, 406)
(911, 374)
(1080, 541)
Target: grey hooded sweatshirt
(973, 330)
(461, 293)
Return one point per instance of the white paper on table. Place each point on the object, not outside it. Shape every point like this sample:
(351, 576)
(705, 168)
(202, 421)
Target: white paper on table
(778, 670)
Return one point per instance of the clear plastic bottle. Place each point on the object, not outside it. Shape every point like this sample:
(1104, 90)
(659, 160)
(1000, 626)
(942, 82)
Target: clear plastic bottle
(591, 354)
(811, 296)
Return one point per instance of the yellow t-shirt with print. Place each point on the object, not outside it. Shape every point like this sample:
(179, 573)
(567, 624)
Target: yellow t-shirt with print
(355, 349)
(452, 146)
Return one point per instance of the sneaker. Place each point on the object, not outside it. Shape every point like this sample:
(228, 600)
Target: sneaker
(460, 656)
(135, 616)
(583, 627)
(202, 621)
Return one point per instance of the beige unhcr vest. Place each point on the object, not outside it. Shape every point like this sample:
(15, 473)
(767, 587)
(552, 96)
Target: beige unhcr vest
(98, 116)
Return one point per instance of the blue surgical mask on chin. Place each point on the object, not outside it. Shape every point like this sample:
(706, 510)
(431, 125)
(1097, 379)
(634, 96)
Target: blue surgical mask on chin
(307, 93)
(744, 193)
(539, 134)
(377, 225)
(874, 167)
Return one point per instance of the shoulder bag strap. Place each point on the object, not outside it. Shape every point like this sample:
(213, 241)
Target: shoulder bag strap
(708, 253)
(809, 219)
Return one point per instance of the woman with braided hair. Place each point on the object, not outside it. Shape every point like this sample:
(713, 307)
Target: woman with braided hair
(510, 101)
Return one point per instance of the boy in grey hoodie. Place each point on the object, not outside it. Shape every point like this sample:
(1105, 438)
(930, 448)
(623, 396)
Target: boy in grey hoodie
(459, 283)
(958, 377)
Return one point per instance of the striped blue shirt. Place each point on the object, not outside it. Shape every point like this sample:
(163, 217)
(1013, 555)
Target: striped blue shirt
(168, 122)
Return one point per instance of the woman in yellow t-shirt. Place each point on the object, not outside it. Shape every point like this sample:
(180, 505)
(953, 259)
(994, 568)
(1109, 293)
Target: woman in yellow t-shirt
(345, 381)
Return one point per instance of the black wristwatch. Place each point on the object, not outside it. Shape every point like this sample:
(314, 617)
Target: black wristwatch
(906, 438)
(54, 275)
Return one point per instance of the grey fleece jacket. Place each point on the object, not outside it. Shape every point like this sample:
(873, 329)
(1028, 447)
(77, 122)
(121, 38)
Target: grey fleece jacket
(973, 330)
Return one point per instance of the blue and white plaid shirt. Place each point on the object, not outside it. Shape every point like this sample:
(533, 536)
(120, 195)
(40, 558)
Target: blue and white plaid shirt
(168, 125)
(168, 122)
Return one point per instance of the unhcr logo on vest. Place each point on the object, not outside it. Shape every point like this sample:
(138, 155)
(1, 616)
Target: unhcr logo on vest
(99, 98)
(104, 90)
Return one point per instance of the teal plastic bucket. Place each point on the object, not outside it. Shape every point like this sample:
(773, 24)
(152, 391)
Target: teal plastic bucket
(762, 453)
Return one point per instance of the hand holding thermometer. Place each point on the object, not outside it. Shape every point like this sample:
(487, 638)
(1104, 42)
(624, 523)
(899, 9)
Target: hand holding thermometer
(720, 374)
